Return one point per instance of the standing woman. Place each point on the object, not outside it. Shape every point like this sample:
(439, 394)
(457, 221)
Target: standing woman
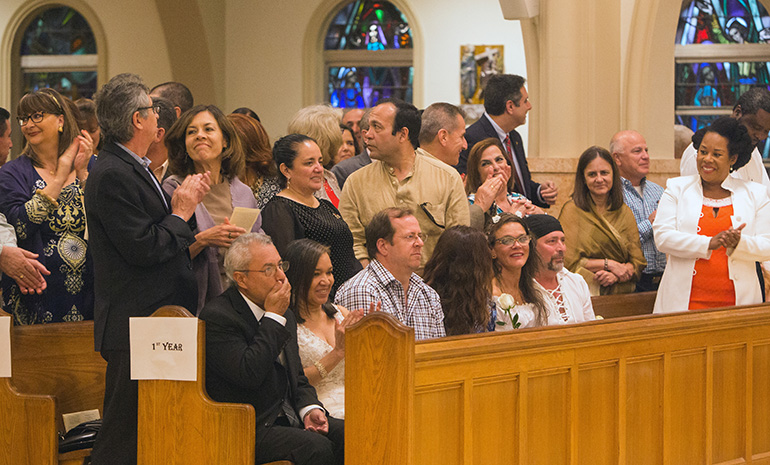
(260, 174)
(600, 229)
(460, 270)
(515, 264)
(320, 324)
(203, 140)
(713, 226)
(41, 194)
(295, 213)
(322, 123)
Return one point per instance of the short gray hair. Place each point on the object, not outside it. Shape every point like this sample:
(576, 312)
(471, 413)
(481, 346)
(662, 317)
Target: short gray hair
(239, 256)
(438, 116)
(116, 103)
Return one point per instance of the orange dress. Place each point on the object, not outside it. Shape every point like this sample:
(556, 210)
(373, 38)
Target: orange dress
(711, 283)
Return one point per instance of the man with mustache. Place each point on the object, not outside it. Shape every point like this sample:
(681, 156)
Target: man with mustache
(629, 150)
(568, 293)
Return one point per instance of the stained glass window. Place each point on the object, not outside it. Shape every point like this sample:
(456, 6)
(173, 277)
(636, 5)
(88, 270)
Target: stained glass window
(368, 55)
(721, 52)
(58, 50)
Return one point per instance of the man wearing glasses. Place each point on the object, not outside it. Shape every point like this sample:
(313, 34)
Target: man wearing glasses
(395, 243)
(252, 357)
(139, 239)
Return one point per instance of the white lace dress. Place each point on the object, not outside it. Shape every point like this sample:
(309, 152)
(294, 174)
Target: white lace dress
(330, 390)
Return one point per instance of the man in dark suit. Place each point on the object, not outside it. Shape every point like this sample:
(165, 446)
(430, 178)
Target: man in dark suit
(506, 103)
(138, 237)
(252, 357)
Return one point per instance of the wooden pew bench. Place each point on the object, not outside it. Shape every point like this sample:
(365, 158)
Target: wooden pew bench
(55, 370)
(621, 305)
(686, 388)
(179, 424)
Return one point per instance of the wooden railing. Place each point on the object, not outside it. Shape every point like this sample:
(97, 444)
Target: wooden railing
(688, 388)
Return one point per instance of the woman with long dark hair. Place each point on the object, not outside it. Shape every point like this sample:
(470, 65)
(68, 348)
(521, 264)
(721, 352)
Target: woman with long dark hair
(515, 263)
(600, 229)
(320, 324)
(460, 270)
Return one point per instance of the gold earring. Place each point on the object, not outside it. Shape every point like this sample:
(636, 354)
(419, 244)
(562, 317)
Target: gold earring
(61, 129)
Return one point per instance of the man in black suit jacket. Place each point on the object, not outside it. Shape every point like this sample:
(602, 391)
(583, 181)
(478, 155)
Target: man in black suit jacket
(138, 238)
(506, 103)
(252, 357)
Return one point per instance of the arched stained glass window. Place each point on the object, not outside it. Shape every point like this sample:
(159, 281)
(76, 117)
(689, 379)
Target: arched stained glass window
(58, 50)
(722, 50)
(368, 55)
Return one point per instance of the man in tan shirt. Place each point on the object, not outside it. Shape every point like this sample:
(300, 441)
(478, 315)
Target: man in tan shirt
(398, 177)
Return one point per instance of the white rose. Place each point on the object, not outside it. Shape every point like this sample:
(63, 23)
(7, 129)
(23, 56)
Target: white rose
(505, 301)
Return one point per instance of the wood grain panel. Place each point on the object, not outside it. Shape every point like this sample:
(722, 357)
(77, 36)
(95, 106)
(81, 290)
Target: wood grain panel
(687, 406)
(597, 420)
(548, 416)
(644, 410)
(729, 403)
(761, 396)
(439, 437)
(495, 403)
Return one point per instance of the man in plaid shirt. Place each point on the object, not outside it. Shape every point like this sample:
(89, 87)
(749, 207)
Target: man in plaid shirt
(629, 150)
(394, 244)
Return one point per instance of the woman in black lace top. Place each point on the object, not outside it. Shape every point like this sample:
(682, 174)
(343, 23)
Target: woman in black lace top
(295, 213)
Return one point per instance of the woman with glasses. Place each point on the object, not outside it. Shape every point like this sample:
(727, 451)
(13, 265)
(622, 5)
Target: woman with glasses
(460, 271)
(518, 300)
(204, 140)
(601, 232)
(41, 194)
(489, 183)
(321, 324)
(296, 213)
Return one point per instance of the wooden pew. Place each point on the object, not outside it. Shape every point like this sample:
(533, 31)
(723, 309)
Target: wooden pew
(687, 388)
(55, 370)
(179, 424)
(615, 306)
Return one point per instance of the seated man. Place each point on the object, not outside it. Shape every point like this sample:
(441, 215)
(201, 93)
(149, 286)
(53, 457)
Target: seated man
(569, 294)
(252, 358)
(394, 242)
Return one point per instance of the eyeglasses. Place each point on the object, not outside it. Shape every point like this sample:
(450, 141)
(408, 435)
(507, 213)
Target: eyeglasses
(510, 240)
(271, 269)
(414, 236)
(155, 108)
(35, 117)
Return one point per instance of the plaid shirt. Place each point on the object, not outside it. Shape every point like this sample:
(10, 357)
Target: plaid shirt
(375, 283)
(643, 206)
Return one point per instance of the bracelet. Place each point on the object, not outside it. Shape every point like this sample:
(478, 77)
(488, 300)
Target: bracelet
(606, 265)
(321, 369)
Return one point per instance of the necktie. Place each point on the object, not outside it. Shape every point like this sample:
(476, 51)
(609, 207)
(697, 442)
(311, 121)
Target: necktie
(519, 183)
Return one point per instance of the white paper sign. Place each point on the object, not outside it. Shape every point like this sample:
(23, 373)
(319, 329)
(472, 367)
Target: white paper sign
(5, 347)
(164, 348)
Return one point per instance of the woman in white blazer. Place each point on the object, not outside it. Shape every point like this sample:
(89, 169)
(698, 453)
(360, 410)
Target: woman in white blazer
(711, 256)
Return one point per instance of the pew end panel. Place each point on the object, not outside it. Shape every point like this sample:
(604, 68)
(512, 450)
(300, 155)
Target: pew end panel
(692, 387)
(178, 423)
(55, 370)
(622, 305)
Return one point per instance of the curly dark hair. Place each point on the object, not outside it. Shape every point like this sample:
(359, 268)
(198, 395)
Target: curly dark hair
(529, 291)
(738, 139)
(460, 270)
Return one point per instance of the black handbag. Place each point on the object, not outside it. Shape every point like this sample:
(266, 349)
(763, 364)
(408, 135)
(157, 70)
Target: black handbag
(83, 436)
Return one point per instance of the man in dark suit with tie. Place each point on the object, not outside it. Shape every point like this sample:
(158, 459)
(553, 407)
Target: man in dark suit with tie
(506, 103)
(139, 239)
(252, 357)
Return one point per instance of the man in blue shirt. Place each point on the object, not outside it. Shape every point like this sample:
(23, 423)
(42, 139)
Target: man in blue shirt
(629, 150)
